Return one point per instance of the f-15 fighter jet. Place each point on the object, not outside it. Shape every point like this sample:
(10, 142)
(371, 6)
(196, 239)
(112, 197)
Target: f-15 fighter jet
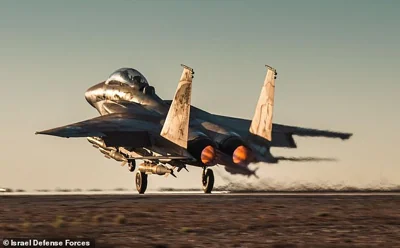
(136, 124)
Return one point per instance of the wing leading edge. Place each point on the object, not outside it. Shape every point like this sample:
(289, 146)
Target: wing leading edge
(100, 126)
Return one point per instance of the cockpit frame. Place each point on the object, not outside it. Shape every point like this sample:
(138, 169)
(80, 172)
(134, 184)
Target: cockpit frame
(129, 77)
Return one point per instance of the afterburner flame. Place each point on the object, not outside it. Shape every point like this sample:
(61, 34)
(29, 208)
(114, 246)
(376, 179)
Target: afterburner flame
(208, 155)
(241, 155)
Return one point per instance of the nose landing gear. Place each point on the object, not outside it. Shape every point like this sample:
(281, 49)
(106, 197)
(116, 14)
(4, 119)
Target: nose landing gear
(132, 166)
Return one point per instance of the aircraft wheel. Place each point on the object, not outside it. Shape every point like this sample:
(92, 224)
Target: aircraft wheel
(141, 182)
(208, 181)
(132, 166)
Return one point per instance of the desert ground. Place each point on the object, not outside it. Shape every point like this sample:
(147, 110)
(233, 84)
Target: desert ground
(198, 220)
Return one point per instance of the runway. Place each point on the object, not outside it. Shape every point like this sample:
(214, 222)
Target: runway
(189, 219)
(199, 193)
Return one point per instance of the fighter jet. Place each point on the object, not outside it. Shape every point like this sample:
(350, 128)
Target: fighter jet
(168, 135)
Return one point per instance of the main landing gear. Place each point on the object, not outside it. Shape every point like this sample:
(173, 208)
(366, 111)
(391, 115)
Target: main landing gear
(141, 182)
(148, 168)
(207, 180)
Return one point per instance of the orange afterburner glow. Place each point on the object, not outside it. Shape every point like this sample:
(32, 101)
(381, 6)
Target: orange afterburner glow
(208, 155)
(241, 155)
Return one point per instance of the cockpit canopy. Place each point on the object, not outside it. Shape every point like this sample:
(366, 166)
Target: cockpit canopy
(130, 77)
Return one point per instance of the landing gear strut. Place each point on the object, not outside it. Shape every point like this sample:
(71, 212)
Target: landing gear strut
(207, 180)
(141, 182)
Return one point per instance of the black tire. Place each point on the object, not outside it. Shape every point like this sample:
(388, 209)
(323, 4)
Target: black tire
(141, 182)
(132, 166)
(208, 181)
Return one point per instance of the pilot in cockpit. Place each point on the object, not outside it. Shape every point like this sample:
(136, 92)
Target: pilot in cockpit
(133, 78)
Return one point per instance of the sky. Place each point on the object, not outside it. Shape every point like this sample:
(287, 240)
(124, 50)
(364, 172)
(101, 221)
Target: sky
(337, 64)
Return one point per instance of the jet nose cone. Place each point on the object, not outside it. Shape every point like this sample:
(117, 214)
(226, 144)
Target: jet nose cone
(88, 96)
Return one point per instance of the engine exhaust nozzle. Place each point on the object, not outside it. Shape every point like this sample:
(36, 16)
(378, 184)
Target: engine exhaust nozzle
(207, 155)
(241, 155)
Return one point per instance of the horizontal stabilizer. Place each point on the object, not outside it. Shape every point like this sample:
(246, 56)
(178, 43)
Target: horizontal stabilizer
(306, 159)
(321, 133)
(261, 124)
(176, 125)
(310, 132)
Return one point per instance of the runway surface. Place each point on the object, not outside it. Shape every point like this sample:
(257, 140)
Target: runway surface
(216, 220)
(184, 192)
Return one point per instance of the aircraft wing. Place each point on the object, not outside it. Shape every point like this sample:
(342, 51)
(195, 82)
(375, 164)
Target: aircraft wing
(112, 125)
(283, 135)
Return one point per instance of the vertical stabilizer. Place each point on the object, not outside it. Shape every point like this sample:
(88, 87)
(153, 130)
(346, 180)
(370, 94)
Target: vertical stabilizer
(261, 124)
(176, 125)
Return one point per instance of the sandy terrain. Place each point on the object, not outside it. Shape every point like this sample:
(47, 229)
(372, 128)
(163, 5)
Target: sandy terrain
(207, 220)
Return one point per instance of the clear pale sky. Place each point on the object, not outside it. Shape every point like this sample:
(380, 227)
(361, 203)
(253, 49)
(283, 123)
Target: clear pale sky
(337, 64)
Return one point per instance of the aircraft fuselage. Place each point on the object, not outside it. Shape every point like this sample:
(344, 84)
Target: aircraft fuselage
(134, 119)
